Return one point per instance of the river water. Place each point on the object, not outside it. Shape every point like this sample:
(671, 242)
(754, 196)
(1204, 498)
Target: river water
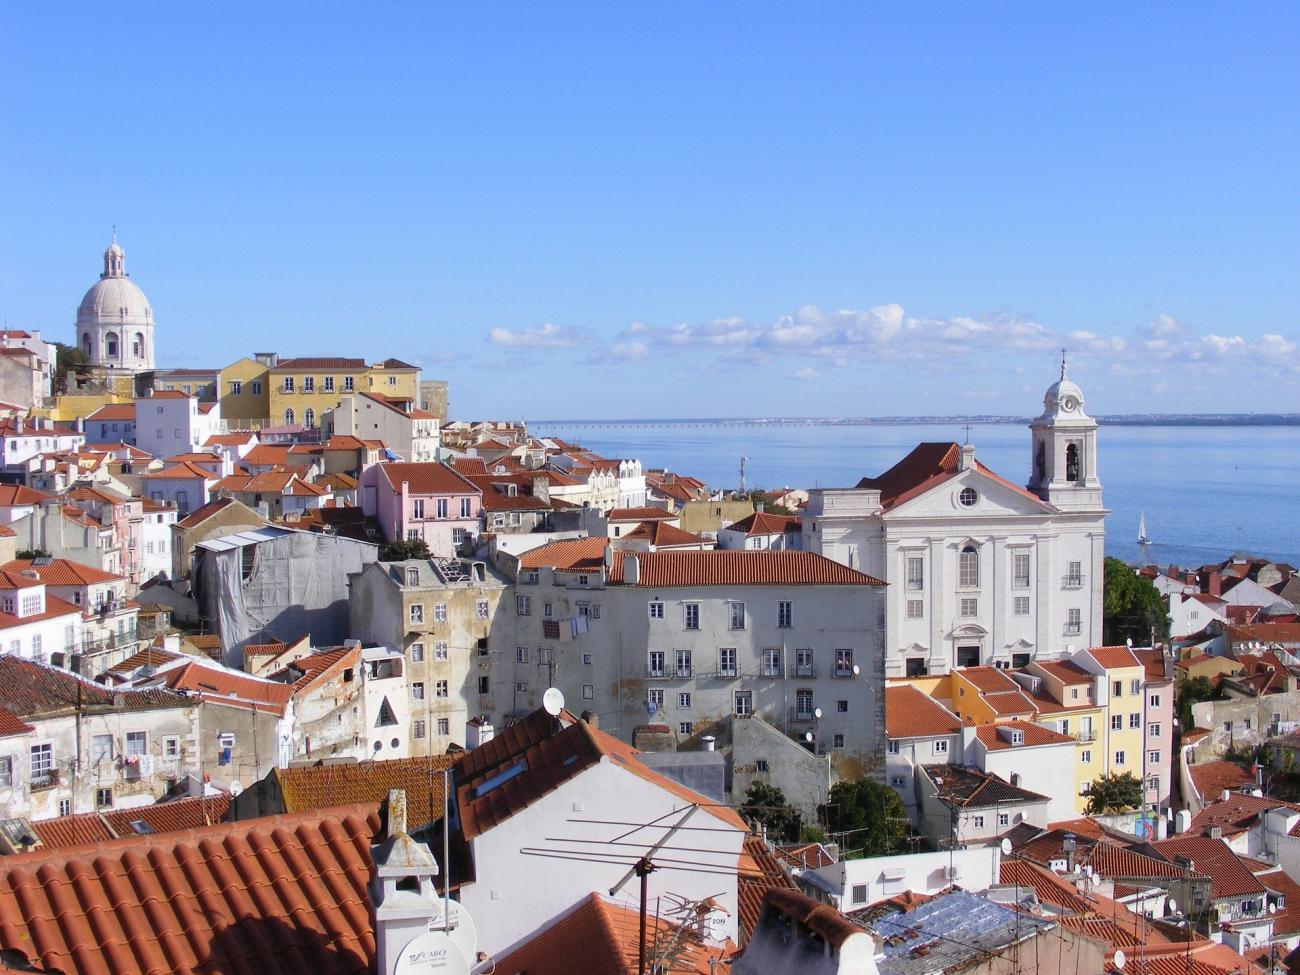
(1207, 491)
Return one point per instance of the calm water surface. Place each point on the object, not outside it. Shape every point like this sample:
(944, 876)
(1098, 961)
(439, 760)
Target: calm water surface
(1206, 491)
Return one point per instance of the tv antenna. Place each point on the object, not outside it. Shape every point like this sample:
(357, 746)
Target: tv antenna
(743, 458)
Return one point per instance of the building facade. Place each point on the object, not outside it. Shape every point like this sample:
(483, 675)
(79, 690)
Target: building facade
(115, 319)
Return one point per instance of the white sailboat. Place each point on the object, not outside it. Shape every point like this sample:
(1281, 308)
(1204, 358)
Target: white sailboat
(1144, 541)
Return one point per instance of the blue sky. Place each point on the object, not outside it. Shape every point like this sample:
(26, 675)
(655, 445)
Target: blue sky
(618, 210)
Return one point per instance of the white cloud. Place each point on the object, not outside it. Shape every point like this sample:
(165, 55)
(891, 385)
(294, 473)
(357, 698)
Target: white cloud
(547, 336)
(806, 374)
(628, 351)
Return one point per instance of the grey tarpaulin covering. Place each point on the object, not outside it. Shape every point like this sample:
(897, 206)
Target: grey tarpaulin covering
(277, 583)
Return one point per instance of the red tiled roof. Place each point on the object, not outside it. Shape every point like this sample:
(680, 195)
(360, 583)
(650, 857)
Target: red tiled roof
(1034, 735)
(660, 533)
(309, 787)
(640, 514)
(971, 788)
(469, 466)
(1273, 633)
(1114, 658)
(1213, 778)
(600, 936)
(114, 411)
(164, 394)
(765, 523)
(228, 687)
(909, 713)
(62, 572)
(752, 886)
(1047, 886)
(319, 362)
(738, 568)
(428, 477)
(1286, 921)
(183, 471)
(234, 439)
(1228, 876)
(284, 893)
(266, 455)
(14, 495)
(306, 671)
(29, 690)
(11, 724)
(200, 515)
(928, 465)
(64, 831)
(1066, 671)
(805, 856)
(573, 553)
(54, 609)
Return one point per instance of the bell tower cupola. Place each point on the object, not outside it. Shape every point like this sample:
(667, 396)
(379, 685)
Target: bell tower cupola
(1063, 468)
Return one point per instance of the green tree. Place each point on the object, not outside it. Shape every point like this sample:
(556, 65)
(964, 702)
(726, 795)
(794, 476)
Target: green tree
(1192, 690)
(766, 804)
(870, 815)
(66, 359)
(32, 553)
(1131, 606)
(1114, 793)
(404, 548)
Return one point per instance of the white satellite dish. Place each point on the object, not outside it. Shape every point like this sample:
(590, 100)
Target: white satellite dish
(1006, 847)
(462, 930)
(1120, 960)
(808, 737)
(1173, 905)
(1129, 643)
(553, 701)
(432, 951)
(817, 713)
(856, 670)
(1272, 908)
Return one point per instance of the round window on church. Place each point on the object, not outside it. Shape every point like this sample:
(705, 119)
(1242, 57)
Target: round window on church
(968, 497)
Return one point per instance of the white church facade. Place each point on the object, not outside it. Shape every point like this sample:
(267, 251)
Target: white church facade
(980, 570)
(115, 320)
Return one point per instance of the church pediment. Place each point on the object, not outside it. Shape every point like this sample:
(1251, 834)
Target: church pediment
(970, 494)
(969, 630)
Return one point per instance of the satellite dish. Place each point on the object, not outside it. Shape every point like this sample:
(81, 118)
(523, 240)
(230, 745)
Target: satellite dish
(1120, 960)
(1006, 847)
(1129, 643)
(433, 951)
(553, 701)
(1272, 908)
(462, 930)
(1173, 905)
(856, 670)
(808, 737)
(817, 713)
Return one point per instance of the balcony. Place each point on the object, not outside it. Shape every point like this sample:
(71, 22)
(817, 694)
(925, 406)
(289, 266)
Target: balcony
(772, 671)
(1072, 582)
(1073, 629)
(804, 670)
(656, 673)
(801, 716)
(45, 780)
(725, 673)
(843, 673)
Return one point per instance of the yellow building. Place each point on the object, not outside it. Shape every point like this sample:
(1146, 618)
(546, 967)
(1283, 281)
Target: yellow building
(301, 390)
(192, 382)
(245, 395)
(1122, 692)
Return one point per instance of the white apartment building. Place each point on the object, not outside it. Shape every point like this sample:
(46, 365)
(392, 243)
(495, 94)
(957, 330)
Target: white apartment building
(169, 422)
(981, 571)
(24, 438)
(35, 624)
(155, 539)
(410, 432)
(686, 638)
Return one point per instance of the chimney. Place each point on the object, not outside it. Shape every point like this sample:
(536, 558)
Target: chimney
(631, 569)
(19, 423)
(710, 743)
(1216, 832)
(591, 718)
(967, 457)
(80, 424)
(1214, 584)
(402, 889)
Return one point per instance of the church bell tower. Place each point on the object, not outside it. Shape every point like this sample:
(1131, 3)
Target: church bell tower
(1063, 469)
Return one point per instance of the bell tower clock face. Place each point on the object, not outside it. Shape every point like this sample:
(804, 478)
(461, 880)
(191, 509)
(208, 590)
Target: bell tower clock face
(1069, 404)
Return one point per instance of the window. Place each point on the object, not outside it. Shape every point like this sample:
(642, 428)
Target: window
(1020, 570)
(1020, 606)
(524, 605)
(1153, 758)
(171, 747)
(894, 748)
(898, 781)
(656, 665)
(1073, 621)
(440, 688)
(685, 728)
(467, 507)
(418, 728)
(440, 612)
(42, 765)
(1119, 758)
(691, 612)
(772, 662)
(521, 655)
(1073, 575)
(417, 613)
(137, 744)
(916, 609)
(977, 822)
(1085, 756)
(256, 385)
(968, 607)
(288, 384)
(309, 384)
(842, 706)
(1004, 819)
(683, 660)
(586, 659)
(803, 663)
(915, 573)
(968, 497)
(727, 662)
(101, 749)
(1117, 722)
(1117, 689)
(440, 507)
(349, 384)
(684, 699)
(103, 798)
(1135, 687)
(803, 704)
(440, 650)
(481, 609)
(417, 690)
(1155, 703)
(968, 568)
(655, 698)
(1135, 720)
(744, 703)
(941, 747)
(588, 692)
(225, 747)
(444, 726)
(417, 512)
(784, 614)
(458, 538)
(656, 610)
(843, 663)
(6, 771)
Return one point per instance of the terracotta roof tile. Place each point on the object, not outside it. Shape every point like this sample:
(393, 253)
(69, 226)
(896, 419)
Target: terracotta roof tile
(183, 471)
(29, 690)
(973, 789)
(752, 886)
(200, 515)
(640, 514)
(427, 477)
(227, 687)
(14, 495)
(1228, 875)
(606, 938)
(1066, 671)
(114, 411)
(766, 523)
(662, 534)
(1047, 886)
(1114, 658)
(11, 724)
(319, 362)
(1034, 735)
(309, 787)
(910, 713)
(234, 439)
(266, 455)
(574, 553)
(79, 830)
(63, 572)
(304, 672)
(1213, 778)
(285, 893)
(926, 466)
(739, 568)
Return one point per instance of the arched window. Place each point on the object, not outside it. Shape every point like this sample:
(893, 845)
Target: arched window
(110, 345)
(1040, 461)
(137, 345)
(1072, 462)
(85, 343)
(309, 418)
(968, 567)
(288, 417)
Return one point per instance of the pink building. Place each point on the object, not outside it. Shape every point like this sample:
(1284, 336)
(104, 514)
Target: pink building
(1158, 721)
(428, 501)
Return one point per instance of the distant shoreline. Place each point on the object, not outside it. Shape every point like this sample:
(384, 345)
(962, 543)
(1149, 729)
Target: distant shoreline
(1125, 420)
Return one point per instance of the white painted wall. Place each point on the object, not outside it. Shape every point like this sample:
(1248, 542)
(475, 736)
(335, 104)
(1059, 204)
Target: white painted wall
(851, 884)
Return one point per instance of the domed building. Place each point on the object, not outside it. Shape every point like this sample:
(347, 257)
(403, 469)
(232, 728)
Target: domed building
(115, 320)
